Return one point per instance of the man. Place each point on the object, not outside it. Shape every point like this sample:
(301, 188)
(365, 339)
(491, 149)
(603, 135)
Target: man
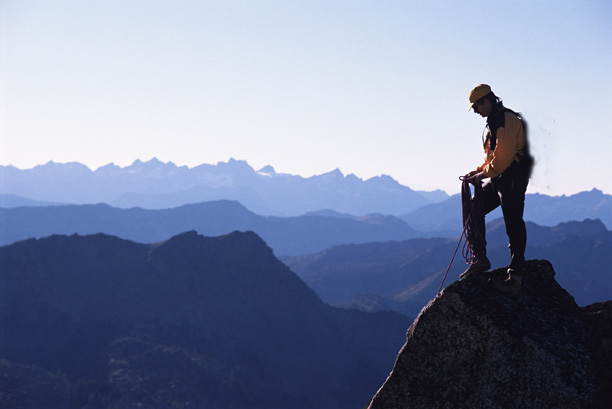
(508, 166)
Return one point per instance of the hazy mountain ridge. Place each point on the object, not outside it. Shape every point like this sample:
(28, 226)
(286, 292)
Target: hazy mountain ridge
(157, 185)
(304, 234)
(444, 218)
(190, 322)
(286, 235)
(10, 201)
(386, 267)
(404, 276)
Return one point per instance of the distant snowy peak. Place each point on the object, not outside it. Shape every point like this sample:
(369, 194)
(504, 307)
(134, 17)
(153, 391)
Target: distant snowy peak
(235, 164)
(155, 184)
(334, 174)
(108, 168)
(57, 165)
(386, 181)
(267, 171)
(152, 163)
(61, 168)
(153, 167)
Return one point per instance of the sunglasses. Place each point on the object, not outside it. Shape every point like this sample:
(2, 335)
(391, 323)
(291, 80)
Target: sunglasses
(479, 102)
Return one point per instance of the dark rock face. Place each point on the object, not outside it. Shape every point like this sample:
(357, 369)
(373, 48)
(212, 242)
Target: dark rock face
(598, 318)
(473, 347)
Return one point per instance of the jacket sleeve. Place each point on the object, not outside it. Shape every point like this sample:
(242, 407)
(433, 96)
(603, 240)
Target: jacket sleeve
(506, 148)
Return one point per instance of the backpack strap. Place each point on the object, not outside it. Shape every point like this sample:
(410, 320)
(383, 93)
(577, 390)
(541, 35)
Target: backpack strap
(496, 121)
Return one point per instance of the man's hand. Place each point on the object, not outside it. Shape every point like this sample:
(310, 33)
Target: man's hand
(474, 177)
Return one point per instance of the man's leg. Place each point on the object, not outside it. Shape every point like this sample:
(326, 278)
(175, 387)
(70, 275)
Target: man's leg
(490, 200)
(512, 193)
(485, 199)
(513, 206)
(491, 196)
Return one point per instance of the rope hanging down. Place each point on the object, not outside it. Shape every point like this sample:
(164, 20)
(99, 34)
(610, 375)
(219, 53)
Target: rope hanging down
(472, 208)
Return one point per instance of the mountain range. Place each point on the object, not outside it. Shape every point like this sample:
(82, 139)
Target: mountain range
(101, 322)
(100, 308)
(404, 275)
(158, 185)
(286, 235)
(444, 218)
(370, 263)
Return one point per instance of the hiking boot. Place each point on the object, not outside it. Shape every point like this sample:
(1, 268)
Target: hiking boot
(511, 285)
(515, 271)
(477, 266)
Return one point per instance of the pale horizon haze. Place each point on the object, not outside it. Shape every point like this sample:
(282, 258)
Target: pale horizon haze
(368, 87)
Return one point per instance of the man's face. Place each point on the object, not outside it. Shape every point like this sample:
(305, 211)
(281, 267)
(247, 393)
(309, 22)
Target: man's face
(483, 107)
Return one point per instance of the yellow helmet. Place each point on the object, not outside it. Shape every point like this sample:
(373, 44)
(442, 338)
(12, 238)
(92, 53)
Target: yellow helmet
(478, 92)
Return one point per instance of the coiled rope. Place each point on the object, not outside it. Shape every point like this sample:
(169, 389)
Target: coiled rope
(472, 209)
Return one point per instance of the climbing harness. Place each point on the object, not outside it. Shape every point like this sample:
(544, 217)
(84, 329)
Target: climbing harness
(472, 208)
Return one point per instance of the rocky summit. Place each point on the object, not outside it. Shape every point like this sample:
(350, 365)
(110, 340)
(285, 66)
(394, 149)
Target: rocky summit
(474, 347)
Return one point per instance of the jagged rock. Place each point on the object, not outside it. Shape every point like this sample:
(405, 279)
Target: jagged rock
(473, 347)
(598, 318)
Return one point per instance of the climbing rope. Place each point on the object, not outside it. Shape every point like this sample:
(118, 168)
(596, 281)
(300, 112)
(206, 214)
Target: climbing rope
(472, 209)
(452, 258)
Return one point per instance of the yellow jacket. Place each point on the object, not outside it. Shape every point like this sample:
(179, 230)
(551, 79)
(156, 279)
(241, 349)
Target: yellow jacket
(504, 143)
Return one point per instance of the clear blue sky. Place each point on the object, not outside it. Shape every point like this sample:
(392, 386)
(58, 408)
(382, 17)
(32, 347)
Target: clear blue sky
(369, 87)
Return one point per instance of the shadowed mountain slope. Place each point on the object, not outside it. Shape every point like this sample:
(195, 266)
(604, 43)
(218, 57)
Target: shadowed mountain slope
(190, 322)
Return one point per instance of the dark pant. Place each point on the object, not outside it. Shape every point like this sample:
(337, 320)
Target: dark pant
(507, 191)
